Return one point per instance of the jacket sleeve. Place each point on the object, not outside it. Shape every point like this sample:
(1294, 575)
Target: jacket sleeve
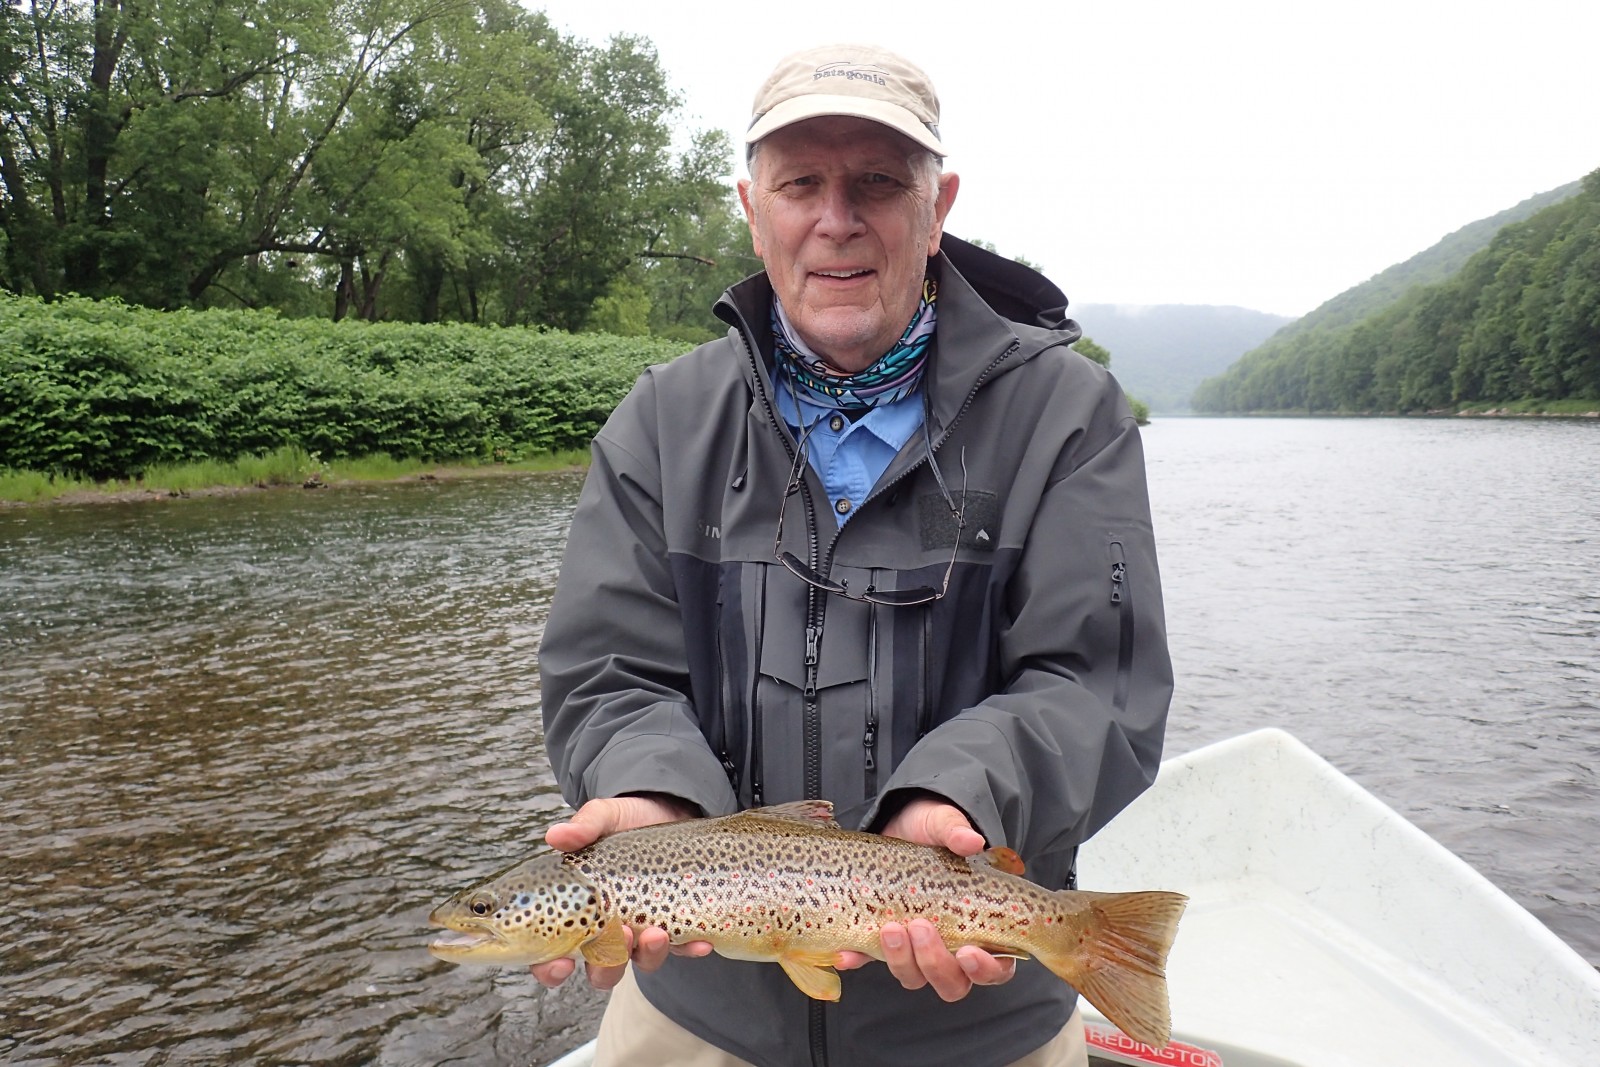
(613, 664)
(1077, 731)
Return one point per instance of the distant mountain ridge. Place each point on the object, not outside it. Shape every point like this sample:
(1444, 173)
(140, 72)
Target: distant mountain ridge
(1433, 264)
(1503, 311)
(1161, 352)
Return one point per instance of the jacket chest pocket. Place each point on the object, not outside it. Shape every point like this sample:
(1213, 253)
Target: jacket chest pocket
(841, 648)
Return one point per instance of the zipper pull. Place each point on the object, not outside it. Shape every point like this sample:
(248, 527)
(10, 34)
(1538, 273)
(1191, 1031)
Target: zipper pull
(1119, 572)
(813, 639)
(870, 743)
(730, 770)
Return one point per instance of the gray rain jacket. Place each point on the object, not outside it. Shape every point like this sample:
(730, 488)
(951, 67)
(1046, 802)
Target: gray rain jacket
(681, 658)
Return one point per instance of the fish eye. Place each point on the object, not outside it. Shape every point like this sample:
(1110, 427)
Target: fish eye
(480, 906)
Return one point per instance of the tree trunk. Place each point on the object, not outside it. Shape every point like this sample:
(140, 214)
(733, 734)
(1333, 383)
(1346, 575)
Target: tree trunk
(100, 129)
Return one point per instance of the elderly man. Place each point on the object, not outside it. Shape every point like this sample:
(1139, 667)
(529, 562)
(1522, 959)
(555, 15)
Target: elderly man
(886, 543)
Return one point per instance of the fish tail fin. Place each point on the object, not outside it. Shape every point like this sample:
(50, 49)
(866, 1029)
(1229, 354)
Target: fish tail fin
(1112, 948)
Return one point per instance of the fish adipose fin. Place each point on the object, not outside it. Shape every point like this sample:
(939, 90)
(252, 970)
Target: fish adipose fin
(1115, 954)
(810, 812)
(813, 972)
(609, 948)
(1001, 859)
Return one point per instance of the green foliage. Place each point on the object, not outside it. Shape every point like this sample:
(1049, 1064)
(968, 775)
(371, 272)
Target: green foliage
(1520, 320)
(1088, 349)
(103, 390)
(414, 160)
(989, 246)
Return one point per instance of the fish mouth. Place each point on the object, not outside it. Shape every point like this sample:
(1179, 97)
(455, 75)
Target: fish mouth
(460, 942)
(456, 941)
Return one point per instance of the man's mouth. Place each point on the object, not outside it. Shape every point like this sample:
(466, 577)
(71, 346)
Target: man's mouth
(847, 273)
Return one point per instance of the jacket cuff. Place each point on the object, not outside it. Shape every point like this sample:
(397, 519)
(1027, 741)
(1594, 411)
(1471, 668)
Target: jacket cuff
(659, 763)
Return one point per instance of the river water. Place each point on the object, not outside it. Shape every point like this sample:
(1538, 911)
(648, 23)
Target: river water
(250, 740)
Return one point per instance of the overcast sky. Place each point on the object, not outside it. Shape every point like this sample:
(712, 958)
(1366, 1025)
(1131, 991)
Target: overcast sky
(1264, 154)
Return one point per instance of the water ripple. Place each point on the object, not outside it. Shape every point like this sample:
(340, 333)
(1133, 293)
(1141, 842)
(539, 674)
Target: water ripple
(248, 742)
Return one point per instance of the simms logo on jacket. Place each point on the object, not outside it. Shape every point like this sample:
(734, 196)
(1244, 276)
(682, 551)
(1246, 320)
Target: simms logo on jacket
(980, 521)
(844, 69)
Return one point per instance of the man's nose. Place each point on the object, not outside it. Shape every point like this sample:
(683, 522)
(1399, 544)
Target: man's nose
(841, 216)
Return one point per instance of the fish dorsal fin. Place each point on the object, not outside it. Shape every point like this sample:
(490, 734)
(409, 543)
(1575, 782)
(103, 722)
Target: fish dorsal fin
(1001, 859)
(810, 812)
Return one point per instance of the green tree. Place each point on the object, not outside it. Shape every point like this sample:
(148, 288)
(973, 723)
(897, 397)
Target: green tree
(1086, 347)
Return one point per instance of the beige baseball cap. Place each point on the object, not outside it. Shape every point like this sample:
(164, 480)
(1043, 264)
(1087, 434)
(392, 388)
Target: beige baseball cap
(849, 79)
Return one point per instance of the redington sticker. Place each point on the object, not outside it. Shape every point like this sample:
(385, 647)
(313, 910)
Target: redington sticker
(1108, 1038)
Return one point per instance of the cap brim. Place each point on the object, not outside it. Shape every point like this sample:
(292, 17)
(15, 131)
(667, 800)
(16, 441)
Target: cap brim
(816, 105)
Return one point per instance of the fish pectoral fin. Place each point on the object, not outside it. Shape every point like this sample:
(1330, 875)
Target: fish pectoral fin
(608, 948)
(810, 812)
(813, 973)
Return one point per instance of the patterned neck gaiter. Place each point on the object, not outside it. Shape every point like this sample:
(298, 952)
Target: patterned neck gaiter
(895, 375)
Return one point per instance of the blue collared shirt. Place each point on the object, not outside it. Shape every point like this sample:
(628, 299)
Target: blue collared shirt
(850, 456)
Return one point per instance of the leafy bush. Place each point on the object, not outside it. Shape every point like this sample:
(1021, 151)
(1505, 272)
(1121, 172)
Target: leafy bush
(104, 390)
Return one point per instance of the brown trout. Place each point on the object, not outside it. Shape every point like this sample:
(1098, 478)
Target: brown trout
(786, 884)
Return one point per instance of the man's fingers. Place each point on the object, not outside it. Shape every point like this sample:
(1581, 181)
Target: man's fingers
(983, 968)
(552, 974)
(588, 824)
(928, 820)
(648, 951)
(958, 836)
(693, 948)
(898, 954)
(609, 815)
(937, 965)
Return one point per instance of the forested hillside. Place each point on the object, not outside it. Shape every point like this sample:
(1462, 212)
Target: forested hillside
(1164, 351)
(418, 160)
(1518, 323)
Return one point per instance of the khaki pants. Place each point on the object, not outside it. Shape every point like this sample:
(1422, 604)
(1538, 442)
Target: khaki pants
(634, 1034)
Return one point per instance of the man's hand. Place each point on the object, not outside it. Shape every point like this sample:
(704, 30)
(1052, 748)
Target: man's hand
(591, 822)
(914, 951)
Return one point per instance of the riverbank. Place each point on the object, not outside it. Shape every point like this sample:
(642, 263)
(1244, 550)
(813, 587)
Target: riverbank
(287, 468)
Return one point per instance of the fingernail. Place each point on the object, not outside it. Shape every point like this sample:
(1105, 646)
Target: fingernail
(968, 964)
(894, 939)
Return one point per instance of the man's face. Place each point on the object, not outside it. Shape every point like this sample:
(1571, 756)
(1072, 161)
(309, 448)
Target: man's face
(845, 224)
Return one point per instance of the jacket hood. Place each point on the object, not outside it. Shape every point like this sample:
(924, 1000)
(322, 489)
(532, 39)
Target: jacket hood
(1014, 291)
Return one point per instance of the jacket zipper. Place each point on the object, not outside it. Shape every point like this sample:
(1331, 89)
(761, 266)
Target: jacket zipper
(1122, 600)
(725, 717)
(815, 611)
(757, 799)
(869, 740)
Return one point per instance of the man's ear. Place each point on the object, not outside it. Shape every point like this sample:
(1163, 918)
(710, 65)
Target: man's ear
(949, 185)
(749, 213)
